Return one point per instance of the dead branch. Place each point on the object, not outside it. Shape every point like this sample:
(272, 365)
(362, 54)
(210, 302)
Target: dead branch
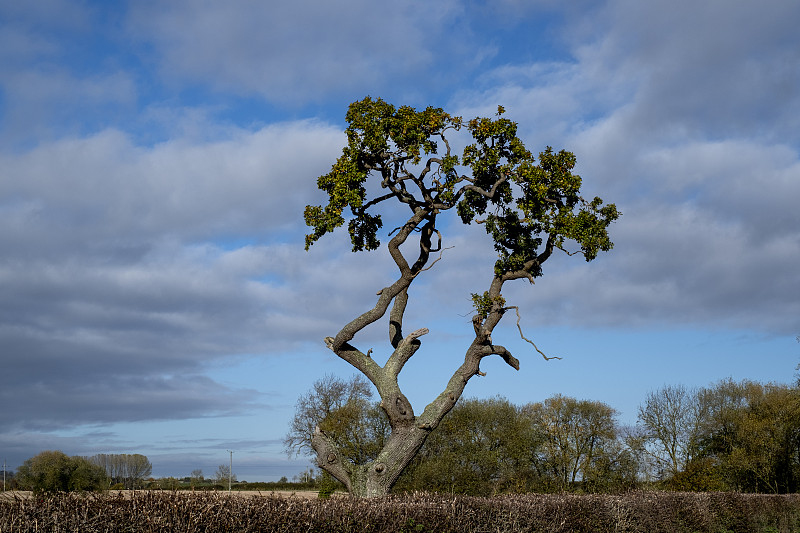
(546, 357)
(434, 261)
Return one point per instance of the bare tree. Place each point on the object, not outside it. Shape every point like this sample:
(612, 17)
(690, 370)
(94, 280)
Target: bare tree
(672, 418)
(129, 469)
(223, 474)
(529, 209)
(196, 476)
(345, 412)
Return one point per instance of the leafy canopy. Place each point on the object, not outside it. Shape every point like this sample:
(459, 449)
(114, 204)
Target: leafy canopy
(527, 207)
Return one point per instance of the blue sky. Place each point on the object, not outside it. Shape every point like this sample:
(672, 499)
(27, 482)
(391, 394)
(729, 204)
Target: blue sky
(155, 159)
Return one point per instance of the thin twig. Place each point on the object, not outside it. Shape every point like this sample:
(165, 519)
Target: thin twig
(546, 358)
(568, 253)
(434, 261)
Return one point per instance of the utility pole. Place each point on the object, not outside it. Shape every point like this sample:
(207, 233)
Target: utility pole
(230, 471)
(4, 475)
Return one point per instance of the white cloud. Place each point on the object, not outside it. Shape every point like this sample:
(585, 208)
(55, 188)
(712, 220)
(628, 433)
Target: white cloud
(105, 188)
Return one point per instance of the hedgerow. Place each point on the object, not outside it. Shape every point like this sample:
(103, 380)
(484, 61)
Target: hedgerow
(156, 511)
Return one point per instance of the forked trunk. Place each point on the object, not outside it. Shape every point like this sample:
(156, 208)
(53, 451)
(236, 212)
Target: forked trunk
(376, 478)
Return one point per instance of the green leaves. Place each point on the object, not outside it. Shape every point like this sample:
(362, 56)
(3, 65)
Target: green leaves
(381, 140)
(497, 181)
(484, 304)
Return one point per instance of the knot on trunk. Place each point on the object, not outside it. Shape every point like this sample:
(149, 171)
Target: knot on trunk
(400, 407)
(331, 458)
(380, 467)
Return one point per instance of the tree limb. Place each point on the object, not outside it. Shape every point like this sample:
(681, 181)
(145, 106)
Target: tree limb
(403, 352)
(329, 458)
(495, 349)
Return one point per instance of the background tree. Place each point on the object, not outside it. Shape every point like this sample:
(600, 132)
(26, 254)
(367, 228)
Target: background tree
(54, 471)
(345, 412)
(126, 469)
(196, 476)
(741, 436)
(579, 438)
(529, 209)
(481, 447)
(223, 474)
(752, 435)
(672, 419)
(485, 447)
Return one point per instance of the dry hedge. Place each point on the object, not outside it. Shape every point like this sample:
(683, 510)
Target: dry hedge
(150, 511)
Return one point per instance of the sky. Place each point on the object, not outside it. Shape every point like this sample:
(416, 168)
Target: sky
(156, 157)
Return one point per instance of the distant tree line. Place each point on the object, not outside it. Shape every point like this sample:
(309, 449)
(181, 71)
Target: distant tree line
(735, 436)
(126, 470)
(55, 471)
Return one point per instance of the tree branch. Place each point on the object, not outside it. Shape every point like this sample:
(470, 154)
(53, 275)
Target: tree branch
(375, 201)
(491, 192)
(388, 294)
(396, 317)
(403, 352)
(546, 358)
(357, 358)
(495, 349)
(330, 460)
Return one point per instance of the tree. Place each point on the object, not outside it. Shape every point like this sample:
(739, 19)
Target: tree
(753, 435)
(579, 439)
(529, 210)
(54, 471)
(223, 474)
(196, 476)
(672, 419)
(482, 447)
(86, 476)
(126, 469)
(345, 412)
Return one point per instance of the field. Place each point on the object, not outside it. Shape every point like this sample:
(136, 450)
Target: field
(156, 511)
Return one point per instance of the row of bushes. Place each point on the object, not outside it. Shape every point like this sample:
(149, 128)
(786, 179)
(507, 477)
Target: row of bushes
(262, 486)
(177, 511)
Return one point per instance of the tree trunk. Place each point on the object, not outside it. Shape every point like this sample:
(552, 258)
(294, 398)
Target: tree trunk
(409, 432)
(375, 478)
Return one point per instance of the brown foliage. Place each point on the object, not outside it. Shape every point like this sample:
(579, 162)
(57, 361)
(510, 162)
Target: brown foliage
(637, 511)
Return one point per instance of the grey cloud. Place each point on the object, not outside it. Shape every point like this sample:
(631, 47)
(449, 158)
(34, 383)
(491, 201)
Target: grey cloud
(694, 137)
(44, 95)
(140, 337)
(47, 14)
(100, 398)
(292, 52)
(112, 284)
(705, 69)
(668, 71)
